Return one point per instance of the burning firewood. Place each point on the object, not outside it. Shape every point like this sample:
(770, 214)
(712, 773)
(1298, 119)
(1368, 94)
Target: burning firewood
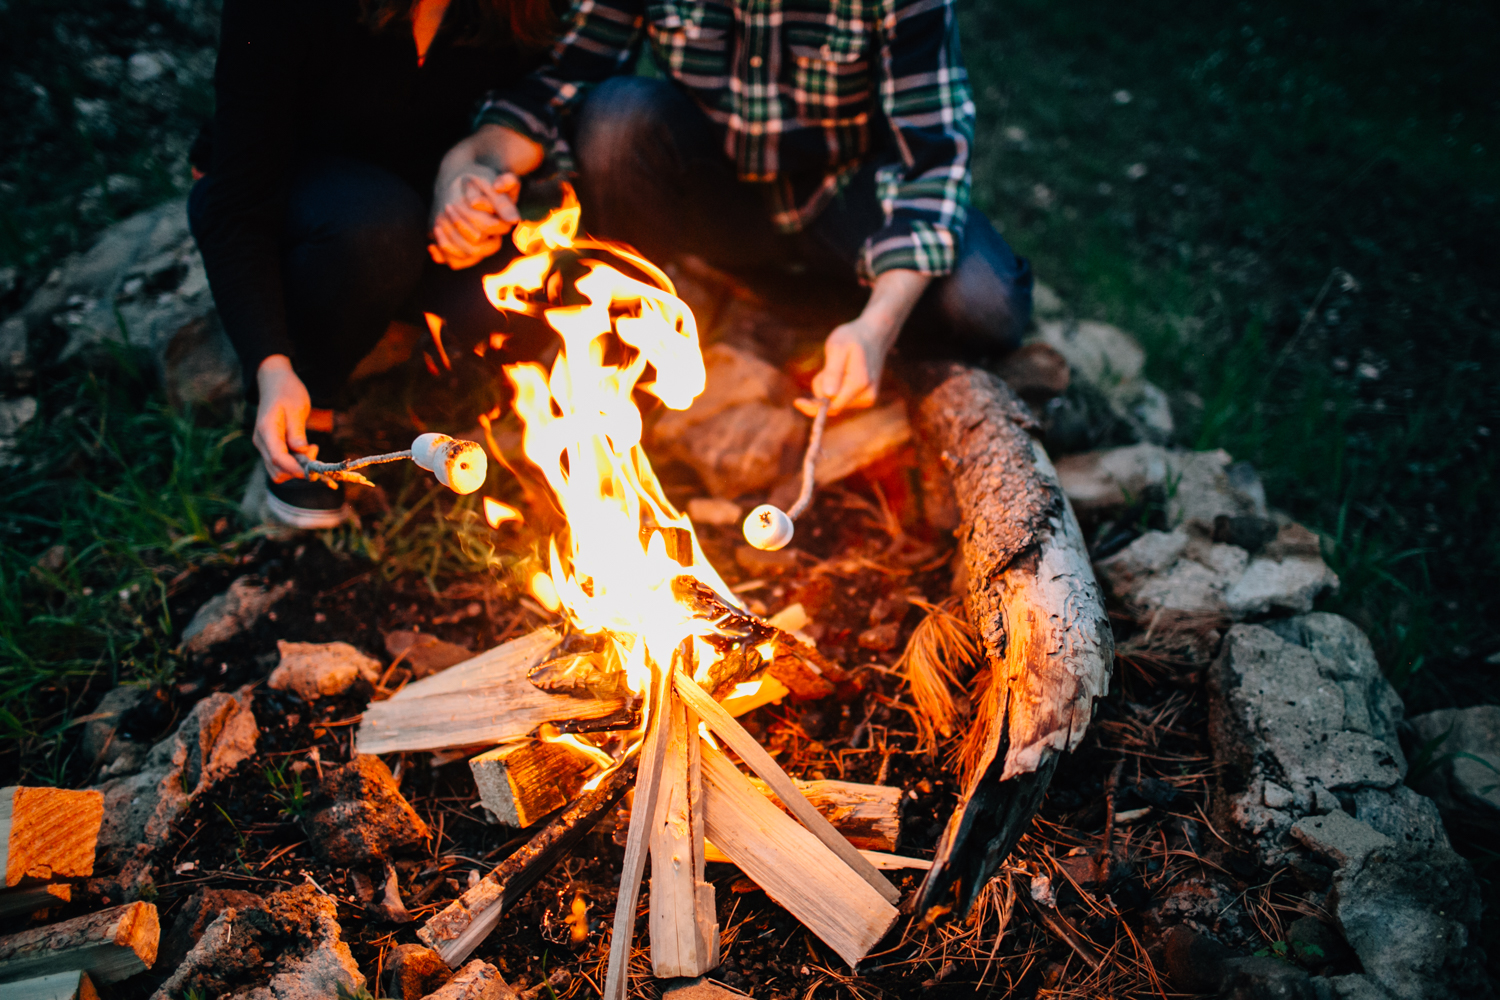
(868, 816)
(684, 927)
(48, 832)
(522, 782)
(1033, 600)
(109, 945)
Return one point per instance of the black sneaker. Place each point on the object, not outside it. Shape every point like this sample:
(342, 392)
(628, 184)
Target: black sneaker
(301, 503)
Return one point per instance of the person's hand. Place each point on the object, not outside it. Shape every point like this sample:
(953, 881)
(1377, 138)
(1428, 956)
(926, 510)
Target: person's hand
(281, 419)
(853, 358)
(476, 210)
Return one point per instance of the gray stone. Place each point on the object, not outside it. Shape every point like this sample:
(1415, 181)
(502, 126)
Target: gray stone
(1463, 746)
(367, 817)
(1287, 585)
(1099, 481)
(15, 414)
(1339, 836)
(290, 948)
(1357, 987)
(1292, 725)
(215, 737)
(1205, 490)
(231, 613)
(1410, 820)
(314, 670)
(1411, 918)
(143, 283)
(15, 352)
(101, 743)
(1108, 359)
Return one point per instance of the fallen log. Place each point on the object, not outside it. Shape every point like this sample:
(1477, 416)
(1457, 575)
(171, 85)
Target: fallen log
(457, 930)
(110, 945)
(684, 926)
(795, 868)
(74, 985)
(1031, 596)
(487, 699)
(48, 832)
(522, 782)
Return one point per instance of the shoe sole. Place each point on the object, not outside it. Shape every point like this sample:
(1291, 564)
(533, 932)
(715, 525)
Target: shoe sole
(303, 517)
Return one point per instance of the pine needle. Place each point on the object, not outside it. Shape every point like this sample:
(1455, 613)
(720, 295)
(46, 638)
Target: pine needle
(970, 752)
(942, 648)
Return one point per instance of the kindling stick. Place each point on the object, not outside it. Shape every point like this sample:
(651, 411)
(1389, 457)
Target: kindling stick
(458, 465)
(770, 527)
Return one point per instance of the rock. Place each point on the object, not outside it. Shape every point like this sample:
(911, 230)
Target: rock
(713, 510)
(1098, 481)
(367, 817)
(194, 917)
(1407, 818)
(423, 653)
(101, 743)
(215, 737)
(231, 613)
(1265, 978)
(144, 278)
(1036, 371)
(1210, 484)
(313, 670)
(1045, 302)
(1340, 837)
(1290, 585)
(15, 353)
(413, 972)
(1412, 918)
(1463, 747)
(1293, 722)
(1357, 987)
(14, 415)
(479, 980)
(740, 435)
(1109, 359)
(1204, 486)
(289, 948)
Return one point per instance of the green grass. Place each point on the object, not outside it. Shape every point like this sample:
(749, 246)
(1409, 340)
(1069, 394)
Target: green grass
(1335, 156)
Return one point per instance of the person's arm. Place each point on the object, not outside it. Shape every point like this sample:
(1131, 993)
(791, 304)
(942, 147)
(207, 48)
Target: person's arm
(474, 200)
(924, 93)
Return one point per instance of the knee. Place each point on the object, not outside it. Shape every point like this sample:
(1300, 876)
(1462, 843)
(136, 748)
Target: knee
(623, 117)
(368, 220)
(986, 301)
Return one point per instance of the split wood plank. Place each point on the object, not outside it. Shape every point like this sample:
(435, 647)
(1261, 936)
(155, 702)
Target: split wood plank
(642, 814)
(684, 926)
(110, 945)
(868, 816)
(795, 868)
(48, 832)
(861, 440)
(880, 859)
(1031, 595)
(487, 699)
(755, 756)
(74, 985)
(460, 927)
(522, 782)
(30, 898)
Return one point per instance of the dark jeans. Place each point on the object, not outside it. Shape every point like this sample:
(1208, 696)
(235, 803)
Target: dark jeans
(652, 174)
(354, 257)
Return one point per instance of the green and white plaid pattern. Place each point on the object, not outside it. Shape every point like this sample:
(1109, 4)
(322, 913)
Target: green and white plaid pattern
(793, 86)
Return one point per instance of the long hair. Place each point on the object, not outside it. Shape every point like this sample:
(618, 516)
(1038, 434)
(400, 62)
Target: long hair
(531, 24)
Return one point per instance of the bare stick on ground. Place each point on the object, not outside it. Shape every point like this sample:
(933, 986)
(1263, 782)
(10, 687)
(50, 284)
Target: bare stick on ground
(868, 816)
(795, 868)
(110, 945)
(1033, 600)
(684, 930)
(755, 756)
(48, 832)
(484, 700)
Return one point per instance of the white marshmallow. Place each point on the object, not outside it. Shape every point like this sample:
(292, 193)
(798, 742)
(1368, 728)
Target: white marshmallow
(458, 465)
(768, 528)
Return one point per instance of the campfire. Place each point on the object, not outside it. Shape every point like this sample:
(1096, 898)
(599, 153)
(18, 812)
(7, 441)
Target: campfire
(651, 639)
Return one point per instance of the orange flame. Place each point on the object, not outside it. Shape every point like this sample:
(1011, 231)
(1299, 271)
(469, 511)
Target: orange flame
(611, 571)
(497, 513)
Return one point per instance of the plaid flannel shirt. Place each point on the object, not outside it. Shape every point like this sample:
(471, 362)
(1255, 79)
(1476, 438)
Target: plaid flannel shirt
(792, 85)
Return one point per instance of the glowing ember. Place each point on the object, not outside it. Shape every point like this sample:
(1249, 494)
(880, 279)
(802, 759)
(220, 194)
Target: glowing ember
(612, 571)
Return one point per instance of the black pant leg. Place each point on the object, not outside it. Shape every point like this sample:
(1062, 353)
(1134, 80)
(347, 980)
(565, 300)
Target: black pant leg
(353, 247)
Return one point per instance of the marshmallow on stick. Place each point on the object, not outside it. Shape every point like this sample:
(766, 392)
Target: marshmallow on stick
(770, 528)
(459, 465)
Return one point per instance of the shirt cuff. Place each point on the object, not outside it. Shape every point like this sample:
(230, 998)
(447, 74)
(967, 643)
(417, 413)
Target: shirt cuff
(504, 113)
(914, 245)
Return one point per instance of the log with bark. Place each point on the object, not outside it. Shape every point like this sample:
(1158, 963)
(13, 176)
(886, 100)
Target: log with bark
(73, 985)
(110, 945)
(1030, 593)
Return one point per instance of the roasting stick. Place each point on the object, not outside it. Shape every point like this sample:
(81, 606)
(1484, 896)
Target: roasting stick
(770, 527)
(458, 465)
(753, 754)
